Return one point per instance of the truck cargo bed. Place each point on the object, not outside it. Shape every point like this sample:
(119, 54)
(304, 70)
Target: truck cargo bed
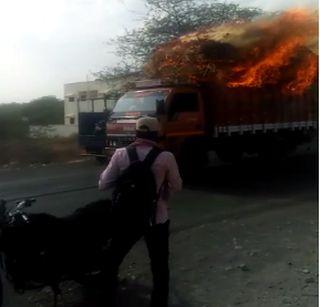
(241, 110)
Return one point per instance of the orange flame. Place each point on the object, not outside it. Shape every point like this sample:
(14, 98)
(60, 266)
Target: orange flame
(279, 51)
(266, 71)
(306, 74)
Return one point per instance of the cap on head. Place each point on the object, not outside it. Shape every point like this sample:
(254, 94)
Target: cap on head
(147, 124)
(147, 127)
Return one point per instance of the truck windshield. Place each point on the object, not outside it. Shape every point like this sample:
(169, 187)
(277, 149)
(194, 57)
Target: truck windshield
(140, 101)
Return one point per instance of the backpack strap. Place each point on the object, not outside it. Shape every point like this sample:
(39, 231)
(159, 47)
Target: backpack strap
(148, 161)
(132, 153)
(151, 156)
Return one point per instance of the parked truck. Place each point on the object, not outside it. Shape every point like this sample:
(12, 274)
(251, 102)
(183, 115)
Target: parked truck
(92, 129)
(92, 134)
(196, 119)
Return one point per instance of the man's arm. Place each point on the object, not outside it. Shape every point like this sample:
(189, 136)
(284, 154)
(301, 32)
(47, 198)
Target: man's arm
(110, 175)
(173, 176)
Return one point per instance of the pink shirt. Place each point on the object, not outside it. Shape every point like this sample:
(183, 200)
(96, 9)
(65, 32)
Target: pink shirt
(165, 170)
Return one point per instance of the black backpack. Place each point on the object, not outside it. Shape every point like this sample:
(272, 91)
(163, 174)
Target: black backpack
(135, 197)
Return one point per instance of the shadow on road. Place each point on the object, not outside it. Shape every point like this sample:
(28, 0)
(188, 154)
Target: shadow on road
(131, 294)
(259, 178)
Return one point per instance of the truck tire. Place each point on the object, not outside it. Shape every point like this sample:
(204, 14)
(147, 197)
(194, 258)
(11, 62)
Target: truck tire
(275, 149)
(229, 154)
(101, 160)
(193, 158)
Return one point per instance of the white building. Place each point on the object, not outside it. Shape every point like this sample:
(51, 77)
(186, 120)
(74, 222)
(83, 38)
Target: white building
(94, 96)
(90, 96)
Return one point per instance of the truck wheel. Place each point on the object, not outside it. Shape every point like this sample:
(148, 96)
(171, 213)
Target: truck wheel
(275, 150)
(101, 160)
(229, 155)
(192, 160)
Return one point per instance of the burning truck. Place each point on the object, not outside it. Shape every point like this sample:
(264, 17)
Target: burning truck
(234, 89)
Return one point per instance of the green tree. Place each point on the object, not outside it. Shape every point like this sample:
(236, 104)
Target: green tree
(12, 124)
(169, 19)
(15, 118)
(46, 110)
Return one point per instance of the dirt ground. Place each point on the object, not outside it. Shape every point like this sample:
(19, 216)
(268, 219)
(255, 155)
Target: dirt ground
(265, 258)
(242, 236)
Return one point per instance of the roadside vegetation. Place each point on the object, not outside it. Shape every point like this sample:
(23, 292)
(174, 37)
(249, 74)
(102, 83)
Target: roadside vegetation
(17, 147)
(38, 151)
(15, 118)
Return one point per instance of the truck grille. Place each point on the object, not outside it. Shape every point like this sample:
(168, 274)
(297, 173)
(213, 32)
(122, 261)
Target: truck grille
(117, 142)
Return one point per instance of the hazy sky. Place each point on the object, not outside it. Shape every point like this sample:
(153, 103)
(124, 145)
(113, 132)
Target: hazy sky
(46, 43)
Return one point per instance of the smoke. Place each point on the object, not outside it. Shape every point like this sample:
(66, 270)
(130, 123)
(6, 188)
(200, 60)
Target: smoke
(279, 50)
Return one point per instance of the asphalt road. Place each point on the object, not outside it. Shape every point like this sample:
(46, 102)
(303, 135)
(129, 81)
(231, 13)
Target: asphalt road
(227, 212)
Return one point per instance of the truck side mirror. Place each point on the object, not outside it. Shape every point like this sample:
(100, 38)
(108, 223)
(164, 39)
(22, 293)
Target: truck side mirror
(160, 107)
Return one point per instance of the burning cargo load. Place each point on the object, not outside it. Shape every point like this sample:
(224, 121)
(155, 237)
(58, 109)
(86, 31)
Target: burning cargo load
(278, 52)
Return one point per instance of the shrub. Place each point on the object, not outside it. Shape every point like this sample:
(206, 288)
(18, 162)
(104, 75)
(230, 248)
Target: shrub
(42, 150)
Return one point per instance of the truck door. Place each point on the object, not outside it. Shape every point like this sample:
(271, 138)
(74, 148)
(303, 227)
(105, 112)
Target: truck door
(185, 116)
(92, 133)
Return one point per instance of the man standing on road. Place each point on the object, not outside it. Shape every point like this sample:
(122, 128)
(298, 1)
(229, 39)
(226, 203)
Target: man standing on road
(167, 180)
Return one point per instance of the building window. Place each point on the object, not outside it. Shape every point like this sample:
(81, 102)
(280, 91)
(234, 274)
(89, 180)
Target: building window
(93, 94)
(71, 120)
(83, 96)
(71, 99)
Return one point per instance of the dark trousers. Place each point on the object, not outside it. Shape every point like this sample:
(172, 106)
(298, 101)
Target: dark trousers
(157, 241)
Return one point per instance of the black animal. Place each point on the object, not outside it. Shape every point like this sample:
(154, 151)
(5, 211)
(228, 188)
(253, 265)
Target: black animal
(40, 249)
